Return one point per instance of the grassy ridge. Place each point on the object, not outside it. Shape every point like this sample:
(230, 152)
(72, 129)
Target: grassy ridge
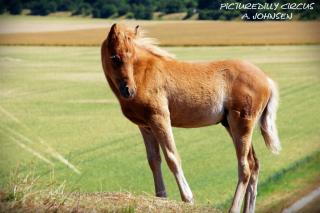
(25, 193)
(60, 94)
(287, 186)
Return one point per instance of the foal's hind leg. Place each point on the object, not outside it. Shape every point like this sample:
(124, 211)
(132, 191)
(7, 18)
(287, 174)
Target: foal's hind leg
(251, 193)
(154, 159)
(241, 128)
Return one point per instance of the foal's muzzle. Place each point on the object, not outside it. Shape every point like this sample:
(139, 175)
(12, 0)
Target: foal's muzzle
(125, 90)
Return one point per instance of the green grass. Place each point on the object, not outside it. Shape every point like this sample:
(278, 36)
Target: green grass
(60, 95)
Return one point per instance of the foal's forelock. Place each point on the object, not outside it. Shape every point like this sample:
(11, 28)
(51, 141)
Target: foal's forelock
(119, 42)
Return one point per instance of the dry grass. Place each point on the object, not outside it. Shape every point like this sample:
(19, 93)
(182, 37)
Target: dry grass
(186, 33)
(28, 194)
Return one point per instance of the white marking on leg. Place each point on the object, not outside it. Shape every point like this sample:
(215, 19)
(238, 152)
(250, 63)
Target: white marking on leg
(253, 196)
(241, 187)
(184, 185)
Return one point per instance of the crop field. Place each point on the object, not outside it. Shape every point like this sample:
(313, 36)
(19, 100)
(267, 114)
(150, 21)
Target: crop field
(90, 32)
(58, 114)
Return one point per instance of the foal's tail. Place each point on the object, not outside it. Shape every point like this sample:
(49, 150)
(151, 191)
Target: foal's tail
(268, 121)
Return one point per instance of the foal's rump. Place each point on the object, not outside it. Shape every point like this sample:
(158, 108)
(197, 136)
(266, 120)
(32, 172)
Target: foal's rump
(255, 96)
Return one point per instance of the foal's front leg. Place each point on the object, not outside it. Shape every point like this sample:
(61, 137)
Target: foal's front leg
(161, 128)
(154, 159)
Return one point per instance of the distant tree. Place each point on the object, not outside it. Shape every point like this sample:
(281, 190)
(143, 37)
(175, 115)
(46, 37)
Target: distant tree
(209, 14)
(105, 8)
(95, 13)
(148, 13)
(65, 5)
(311, 14)
(15, 7)
(174, 6)
(142, 12)
(232, 14)
(91, 2)
(83, 9)
(42, 7)
(130, 15)
(142, 2)
(307, 15)
(108, 10)
(208, 4)
(123, 9)
(138, 11)
(2, 7)
(189, 13)
(52, 6)
(191, 4)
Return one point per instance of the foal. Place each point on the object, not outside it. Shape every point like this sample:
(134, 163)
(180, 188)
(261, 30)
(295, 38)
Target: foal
(156, 92)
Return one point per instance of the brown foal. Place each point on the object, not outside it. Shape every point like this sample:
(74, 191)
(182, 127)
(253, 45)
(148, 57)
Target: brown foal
(156, 92)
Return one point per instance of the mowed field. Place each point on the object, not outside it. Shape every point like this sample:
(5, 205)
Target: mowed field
(66, 31)
(58, 114)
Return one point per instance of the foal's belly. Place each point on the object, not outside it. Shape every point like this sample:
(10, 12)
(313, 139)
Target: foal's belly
(187, 117)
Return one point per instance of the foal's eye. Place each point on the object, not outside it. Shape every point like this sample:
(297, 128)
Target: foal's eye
(116, 60)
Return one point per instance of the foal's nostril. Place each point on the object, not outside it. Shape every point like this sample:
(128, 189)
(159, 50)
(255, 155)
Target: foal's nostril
(124, 90)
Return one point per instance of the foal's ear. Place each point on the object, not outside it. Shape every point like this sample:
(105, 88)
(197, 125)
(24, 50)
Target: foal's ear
(136, 30)
(113, 28)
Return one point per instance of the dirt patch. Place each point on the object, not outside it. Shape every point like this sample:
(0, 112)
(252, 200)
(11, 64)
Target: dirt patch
(307, 203)
(312, 207)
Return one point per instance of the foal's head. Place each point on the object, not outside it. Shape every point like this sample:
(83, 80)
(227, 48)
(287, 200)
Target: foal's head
(120, 56)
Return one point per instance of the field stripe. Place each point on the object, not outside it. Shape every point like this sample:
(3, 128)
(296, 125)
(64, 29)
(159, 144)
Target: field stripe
(33, 152)
(59, 157)
(8, 114)
(50, 150)
(18, 134)
(295, 89)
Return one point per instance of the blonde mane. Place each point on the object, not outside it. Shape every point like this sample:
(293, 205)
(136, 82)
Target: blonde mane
(150, 44)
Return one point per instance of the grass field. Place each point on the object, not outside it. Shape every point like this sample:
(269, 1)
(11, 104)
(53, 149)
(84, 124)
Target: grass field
(60, 95)
(26, 30)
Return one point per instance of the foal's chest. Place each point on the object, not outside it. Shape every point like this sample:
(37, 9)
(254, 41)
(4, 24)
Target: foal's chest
(136, 113)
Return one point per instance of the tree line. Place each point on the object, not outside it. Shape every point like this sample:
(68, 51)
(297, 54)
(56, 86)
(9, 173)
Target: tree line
(145, 9)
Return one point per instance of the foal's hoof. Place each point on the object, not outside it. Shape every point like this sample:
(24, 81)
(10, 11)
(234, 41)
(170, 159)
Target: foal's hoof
(232, 210)
(161, 194)
(188, 200)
